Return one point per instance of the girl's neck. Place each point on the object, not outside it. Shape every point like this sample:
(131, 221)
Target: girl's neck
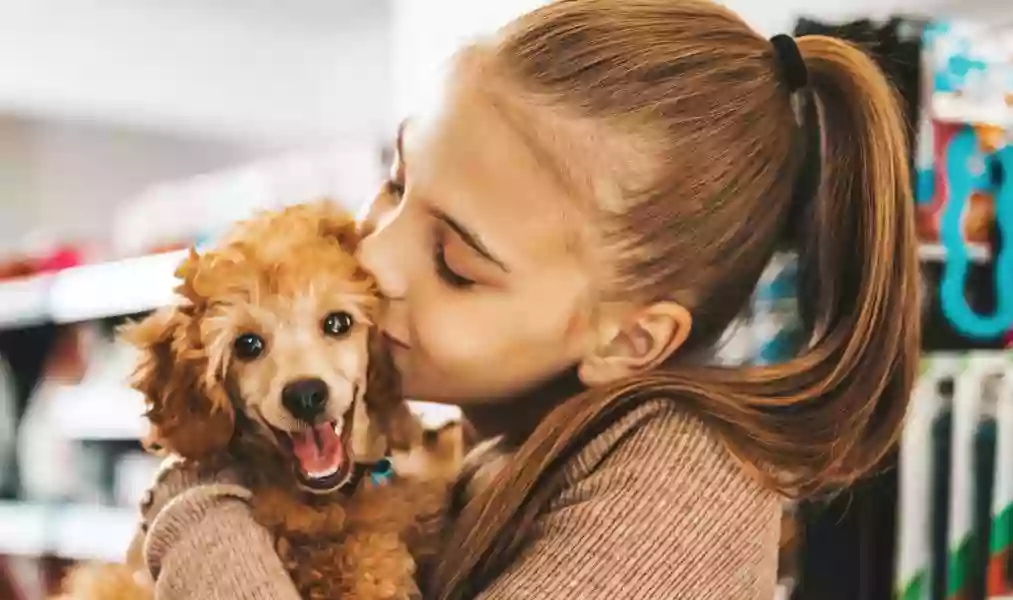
(513, 422)
(515, 418)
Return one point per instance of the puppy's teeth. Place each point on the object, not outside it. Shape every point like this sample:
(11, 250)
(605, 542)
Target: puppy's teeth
(323, 474)
(339, 425)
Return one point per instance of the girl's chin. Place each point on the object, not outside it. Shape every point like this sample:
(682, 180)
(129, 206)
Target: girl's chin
(418, 391)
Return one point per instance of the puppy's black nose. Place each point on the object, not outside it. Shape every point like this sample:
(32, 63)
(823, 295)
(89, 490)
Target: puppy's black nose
(305, 398)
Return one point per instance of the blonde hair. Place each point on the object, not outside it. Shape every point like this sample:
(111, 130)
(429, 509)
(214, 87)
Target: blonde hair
(727, 151)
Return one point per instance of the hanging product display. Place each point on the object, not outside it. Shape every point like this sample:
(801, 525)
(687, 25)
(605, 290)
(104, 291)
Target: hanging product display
(916, 561)
(965, 170)
(998, 576)
(956, 481)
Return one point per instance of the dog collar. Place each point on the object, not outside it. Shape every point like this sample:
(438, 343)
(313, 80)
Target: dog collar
(379, 473)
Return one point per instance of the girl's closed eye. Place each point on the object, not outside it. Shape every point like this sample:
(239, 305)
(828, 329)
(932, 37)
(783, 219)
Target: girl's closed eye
(444, 271)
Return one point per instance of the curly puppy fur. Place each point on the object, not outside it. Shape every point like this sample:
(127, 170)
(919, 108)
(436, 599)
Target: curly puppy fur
(107, 582)
(279, 275)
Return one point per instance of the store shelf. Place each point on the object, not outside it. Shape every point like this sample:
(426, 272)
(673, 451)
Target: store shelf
(114, 288)
(978, 253)
(952, 108)
(77, 532)
(91, 291)
(99, 412)
(24, 301)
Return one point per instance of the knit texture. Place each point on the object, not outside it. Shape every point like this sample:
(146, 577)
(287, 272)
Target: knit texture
(654, 507)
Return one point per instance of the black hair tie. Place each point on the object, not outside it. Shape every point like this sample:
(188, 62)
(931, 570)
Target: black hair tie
(792, 66)
(808, 141)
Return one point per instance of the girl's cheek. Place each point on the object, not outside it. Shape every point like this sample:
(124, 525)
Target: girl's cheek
(447, 336)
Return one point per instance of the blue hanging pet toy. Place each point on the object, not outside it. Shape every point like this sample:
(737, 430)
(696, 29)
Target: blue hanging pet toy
(964, 148)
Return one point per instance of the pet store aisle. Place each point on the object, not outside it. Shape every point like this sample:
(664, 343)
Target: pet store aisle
(103, 188)
(115, 171)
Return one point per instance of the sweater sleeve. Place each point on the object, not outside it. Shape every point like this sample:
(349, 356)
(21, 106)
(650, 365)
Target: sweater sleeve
(202, 542)
(660, 510)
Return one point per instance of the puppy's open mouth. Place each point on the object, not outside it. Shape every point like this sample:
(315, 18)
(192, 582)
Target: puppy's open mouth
(321, 456)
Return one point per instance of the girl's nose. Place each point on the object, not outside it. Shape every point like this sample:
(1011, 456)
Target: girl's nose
(378, 255)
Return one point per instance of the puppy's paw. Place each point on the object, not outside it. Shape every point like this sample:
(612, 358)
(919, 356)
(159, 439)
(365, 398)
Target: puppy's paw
(438, 457)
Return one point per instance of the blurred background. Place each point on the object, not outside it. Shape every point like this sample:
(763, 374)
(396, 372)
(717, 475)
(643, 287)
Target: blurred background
(131, 129)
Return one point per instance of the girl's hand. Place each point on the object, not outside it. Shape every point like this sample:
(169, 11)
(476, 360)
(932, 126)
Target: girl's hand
(176, 476)
(200, 540)
(182, 493)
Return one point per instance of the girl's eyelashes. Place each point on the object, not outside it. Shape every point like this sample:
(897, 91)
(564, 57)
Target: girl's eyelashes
(447, 274)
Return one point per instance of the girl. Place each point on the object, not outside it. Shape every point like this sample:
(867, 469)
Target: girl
(562, 241)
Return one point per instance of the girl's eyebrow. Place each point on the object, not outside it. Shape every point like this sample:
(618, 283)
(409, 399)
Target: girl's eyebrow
(470, 238)
(467, 236)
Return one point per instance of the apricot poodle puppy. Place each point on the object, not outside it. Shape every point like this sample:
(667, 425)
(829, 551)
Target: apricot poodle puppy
(271, 365)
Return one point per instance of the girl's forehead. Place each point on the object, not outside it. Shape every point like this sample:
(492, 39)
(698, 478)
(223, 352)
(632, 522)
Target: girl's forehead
(467, 160)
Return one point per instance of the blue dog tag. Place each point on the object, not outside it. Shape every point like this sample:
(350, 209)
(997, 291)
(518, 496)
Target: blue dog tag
(382, 472)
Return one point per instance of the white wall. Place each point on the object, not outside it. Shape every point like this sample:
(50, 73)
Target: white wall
(184, 86)
(257, 69)
(426, 33)
(280, 70)
(99, 100)
(67, 181)
(62, 181)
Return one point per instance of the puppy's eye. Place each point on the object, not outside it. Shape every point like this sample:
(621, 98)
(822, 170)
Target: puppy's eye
(248, 346)
(338, 324)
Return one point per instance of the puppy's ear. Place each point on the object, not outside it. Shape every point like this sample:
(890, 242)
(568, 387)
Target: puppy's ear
(369, 443)
(188, 406)
(385, 402)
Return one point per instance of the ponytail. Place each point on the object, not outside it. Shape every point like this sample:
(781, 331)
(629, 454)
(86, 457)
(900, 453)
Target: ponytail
(809, 425)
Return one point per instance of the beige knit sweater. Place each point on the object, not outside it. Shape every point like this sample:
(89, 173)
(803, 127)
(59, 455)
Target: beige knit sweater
(655, 509)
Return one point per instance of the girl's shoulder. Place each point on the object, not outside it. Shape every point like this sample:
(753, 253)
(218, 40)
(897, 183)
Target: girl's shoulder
(659, 489)
(659, 444)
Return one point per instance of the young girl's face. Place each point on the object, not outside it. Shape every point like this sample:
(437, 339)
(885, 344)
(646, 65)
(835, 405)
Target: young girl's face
(477, 248)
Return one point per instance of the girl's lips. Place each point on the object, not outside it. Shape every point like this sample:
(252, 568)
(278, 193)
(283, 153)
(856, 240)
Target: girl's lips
(396, 340)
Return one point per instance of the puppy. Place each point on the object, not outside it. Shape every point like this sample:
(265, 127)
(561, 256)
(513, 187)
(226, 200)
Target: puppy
(271, 365)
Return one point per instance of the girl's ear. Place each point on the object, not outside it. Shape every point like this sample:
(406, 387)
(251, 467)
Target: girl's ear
(644, 342)
(188, 407)
(384, 401)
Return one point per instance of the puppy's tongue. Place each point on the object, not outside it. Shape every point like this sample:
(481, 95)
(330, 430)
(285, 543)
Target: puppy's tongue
(319, 450)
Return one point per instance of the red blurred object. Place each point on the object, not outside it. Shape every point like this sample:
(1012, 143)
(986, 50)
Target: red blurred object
(61, 258)
(979, 214)
(16, 268)
(57, 260)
